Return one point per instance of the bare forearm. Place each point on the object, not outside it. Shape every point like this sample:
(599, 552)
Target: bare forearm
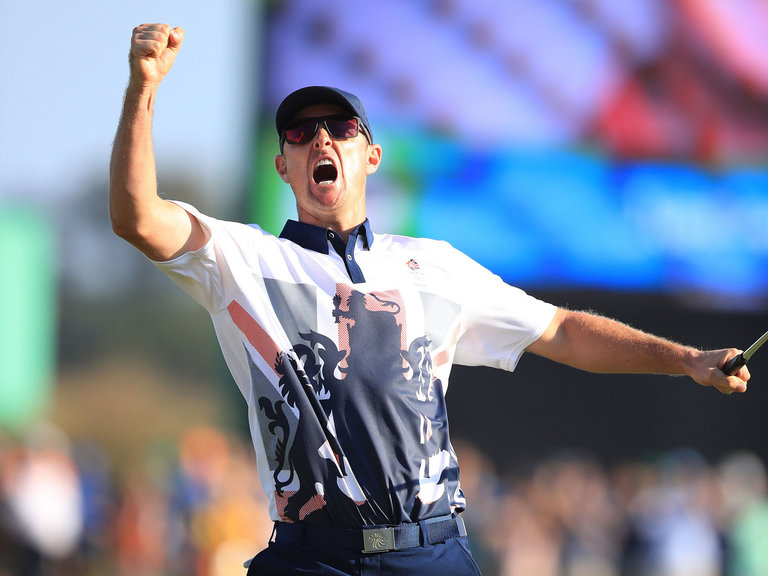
(598, 344)
(133, 181)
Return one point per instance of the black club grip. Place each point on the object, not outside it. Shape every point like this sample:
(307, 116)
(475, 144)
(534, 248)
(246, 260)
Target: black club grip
(734, 364)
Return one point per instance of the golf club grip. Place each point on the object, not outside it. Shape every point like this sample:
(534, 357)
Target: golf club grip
(734, 364)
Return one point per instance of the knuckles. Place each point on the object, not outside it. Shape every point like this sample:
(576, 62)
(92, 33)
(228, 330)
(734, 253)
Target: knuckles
(149, 42)
(158, 32)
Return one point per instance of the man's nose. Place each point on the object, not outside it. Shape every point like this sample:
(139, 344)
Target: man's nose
(322, 138)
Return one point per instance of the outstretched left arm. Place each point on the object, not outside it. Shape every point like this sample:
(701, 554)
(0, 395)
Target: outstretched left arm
(598, 344)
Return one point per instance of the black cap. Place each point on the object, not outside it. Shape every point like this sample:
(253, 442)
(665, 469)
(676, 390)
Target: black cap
(310, 95)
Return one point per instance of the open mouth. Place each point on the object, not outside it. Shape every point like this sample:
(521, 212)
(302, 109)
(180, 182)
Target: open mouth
(325, 172)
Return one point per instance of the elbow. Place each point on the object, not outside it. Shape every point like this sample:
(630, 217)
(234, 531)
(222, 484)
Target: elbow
(123, 227)
(126, 217)
(132, 233)
(122, 230)
(127, 228)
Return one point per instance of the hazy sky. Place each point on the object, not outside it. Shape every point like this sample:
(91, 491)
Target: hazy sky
(63, 70)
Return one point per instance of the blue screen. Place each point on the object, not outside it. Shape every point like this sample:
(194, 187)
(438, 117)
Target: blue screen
(595, 145)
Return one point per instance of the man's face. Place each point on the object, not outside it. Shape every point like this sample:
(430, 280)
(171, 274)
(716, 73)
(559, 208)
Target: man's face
(328, 176)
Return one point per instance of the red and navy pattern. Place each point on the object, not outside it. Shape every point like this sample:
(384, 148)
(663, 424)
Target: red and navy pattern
(358, 430)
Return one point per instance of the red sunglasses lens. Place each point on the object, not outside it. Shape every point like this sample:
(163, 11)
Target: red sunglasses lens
(342, 128)
(301, 133)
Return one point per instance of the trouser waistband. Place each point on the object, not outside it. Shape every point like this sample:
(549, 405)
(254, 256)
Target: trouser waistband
(373, 539)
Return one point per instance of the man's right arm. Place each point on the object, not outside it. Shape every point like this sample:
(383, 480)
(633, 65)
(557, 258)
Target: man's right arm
(160, 229)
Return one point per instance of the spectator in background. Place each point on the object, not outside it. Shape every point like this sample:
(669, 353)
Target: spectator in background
(44, 501)
(745, 495)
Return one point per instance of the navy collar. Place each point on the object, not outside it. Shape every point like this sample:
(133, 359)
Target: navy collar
(316, 238)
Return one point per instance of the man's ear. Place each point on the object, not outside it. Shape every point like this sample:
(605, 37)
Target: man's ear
(282, 167)
(374, 158)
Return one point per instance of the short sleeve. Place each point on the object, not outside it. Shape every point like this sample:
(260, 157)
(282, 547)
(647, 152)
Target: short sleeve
(499, 321)
(210, 274)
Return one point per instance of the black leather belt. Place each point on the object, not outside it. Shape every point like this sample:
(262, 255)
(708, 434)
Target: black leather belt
(373, 539)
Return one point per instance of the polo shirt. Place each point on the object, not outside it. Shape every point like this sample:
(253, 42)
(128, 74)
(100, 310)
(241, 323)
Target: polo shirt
(343, 353)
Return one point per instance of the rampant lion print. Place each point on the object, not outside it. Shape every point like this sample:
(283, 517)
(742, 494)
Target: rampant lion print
(320, 381)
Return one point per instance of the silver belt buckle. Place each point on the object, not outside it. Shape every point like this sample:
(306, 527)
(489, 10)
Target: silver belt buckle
(378, 540)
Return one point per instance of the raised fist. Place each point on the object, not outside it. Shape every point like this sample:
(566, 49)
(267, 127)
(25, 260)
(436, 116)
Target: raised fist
(153, 51)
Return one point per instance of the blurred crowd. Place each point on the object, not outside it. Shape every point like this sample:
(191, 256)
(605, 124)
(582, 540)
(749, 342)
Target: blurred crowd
(195, 508)
(192, 508)
(672, 515)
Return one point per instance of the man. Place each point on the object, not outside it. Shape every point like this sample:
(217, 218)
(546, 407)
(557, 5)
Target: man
(341, 339)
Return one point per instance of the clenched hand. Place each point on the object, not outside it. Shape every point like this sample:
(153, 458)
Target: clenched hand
(153, 50)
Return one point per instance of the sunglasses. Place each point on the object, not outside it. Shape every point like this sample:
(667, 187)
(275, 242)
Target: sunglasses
(338, 127)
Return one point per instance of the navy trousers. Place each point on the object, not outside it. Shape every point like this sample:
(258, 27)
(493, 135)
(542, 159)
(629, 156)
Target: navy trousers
(449, 558)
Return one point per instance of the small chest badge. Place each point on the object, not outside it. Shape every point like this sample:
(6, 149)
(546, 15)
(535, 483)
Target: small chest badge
(415, 273)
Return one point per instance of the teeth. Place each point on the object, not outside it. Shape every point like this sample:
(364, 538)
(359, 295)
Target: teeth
(325, 171)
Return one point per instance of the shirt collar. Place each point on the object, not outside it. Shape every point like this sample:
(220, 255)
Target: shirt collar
(315, 238)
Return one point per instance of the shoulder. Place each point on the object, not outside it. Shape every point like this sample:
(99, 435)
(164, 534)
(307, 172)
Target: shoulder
(438, 253)
(410, 243)
(217, 226)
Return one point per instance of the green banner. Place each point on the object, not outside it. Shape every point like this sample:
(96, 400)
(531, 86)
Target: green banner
(27, 315)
